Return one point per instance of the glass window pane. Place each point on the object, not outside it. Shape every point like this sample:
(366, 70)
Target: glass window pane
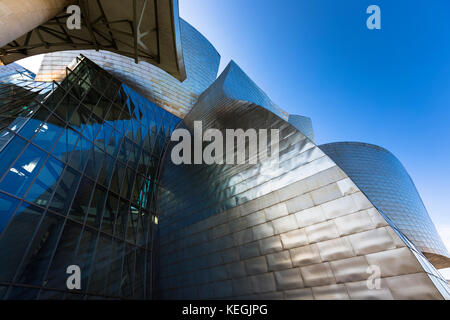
(139, 280)
(3, 291)
(65, 144)
(100, 266)
(67, 187)
(51, 295)
(114, 143)
(106, 171)
(143, 229)
(5, 137)
(16, 238)
(7, 206)
(64, 256)
(114, 278)
(138, 182)
(41, 249)
(91, 128)
(132, 225)
(121, 219)
(48, 133)
(125, 150)
(103, 136)
(109, 214)
(10, 153)
(128, 271)
(67, 107)
(101, 81)
(31, 127)
(23, 171)
(85, 254)
(80, 203)
(54, 98)
(117, 177)
(95, 162)
(102, 107)
(112, 89)
(80, 154)
(96, 208)
(23, 293)
(24, 113)
(114, 114)
(127, 184)
(91, 99)
(43, 187)
(80, 118)
(81, 88)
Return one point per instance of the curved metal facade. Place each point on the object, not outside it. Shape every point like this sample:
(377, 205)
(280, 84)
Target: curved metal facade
(87, 179)
(294, 229)
(303, 124)
(140, 29)
(200, 58)
(387, 184)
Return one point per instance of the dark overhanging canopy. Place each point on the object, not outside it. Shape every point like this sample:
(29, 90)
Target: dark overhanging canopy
(146, 30)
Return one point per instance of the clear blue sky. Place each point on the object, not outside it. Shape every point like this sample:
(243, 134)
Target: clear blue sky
(389, 87)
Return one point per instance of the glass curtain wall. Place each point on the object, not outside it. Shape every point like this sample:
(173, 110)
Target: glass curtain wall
(77, 180)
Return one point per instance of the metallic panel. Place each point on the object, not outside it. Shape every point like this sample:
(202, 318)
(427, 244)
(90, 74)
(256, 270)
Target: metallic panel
(200, 58)
(384, 180)
(144, 30)
(302, 124)
(296, 229)
(300, 229)
(17, 18)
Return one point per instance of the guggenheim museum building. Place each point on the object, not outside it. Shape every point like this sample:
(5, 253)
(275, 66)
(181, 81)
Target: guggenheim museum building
(86, 177)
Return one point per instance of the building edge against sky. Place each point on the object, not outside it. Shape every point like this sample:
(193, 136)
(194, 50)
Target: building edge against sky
(297, 230)
(201, 61)
(384, 180)
(321, 267)
(150, 229)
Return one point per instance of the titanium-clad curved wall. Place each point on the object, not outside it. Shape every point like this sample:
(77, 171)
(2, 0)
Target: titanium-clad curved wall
(294, 229)
(303, 124)
(201, 62)
(78, 180)
(381, 176)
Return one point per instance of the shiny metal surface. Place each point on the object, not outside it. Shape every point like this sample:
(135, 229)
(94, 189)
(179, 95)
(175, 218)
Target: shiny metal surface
(384, 180)
(17, 18)
(302, 124)
(140, 29)
(201, 62)
(299, 230)
(143, 227)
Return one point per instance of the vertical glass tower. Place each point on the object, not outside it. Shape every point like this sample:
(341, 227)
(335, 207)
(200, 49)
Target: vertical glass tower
(78, 172)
